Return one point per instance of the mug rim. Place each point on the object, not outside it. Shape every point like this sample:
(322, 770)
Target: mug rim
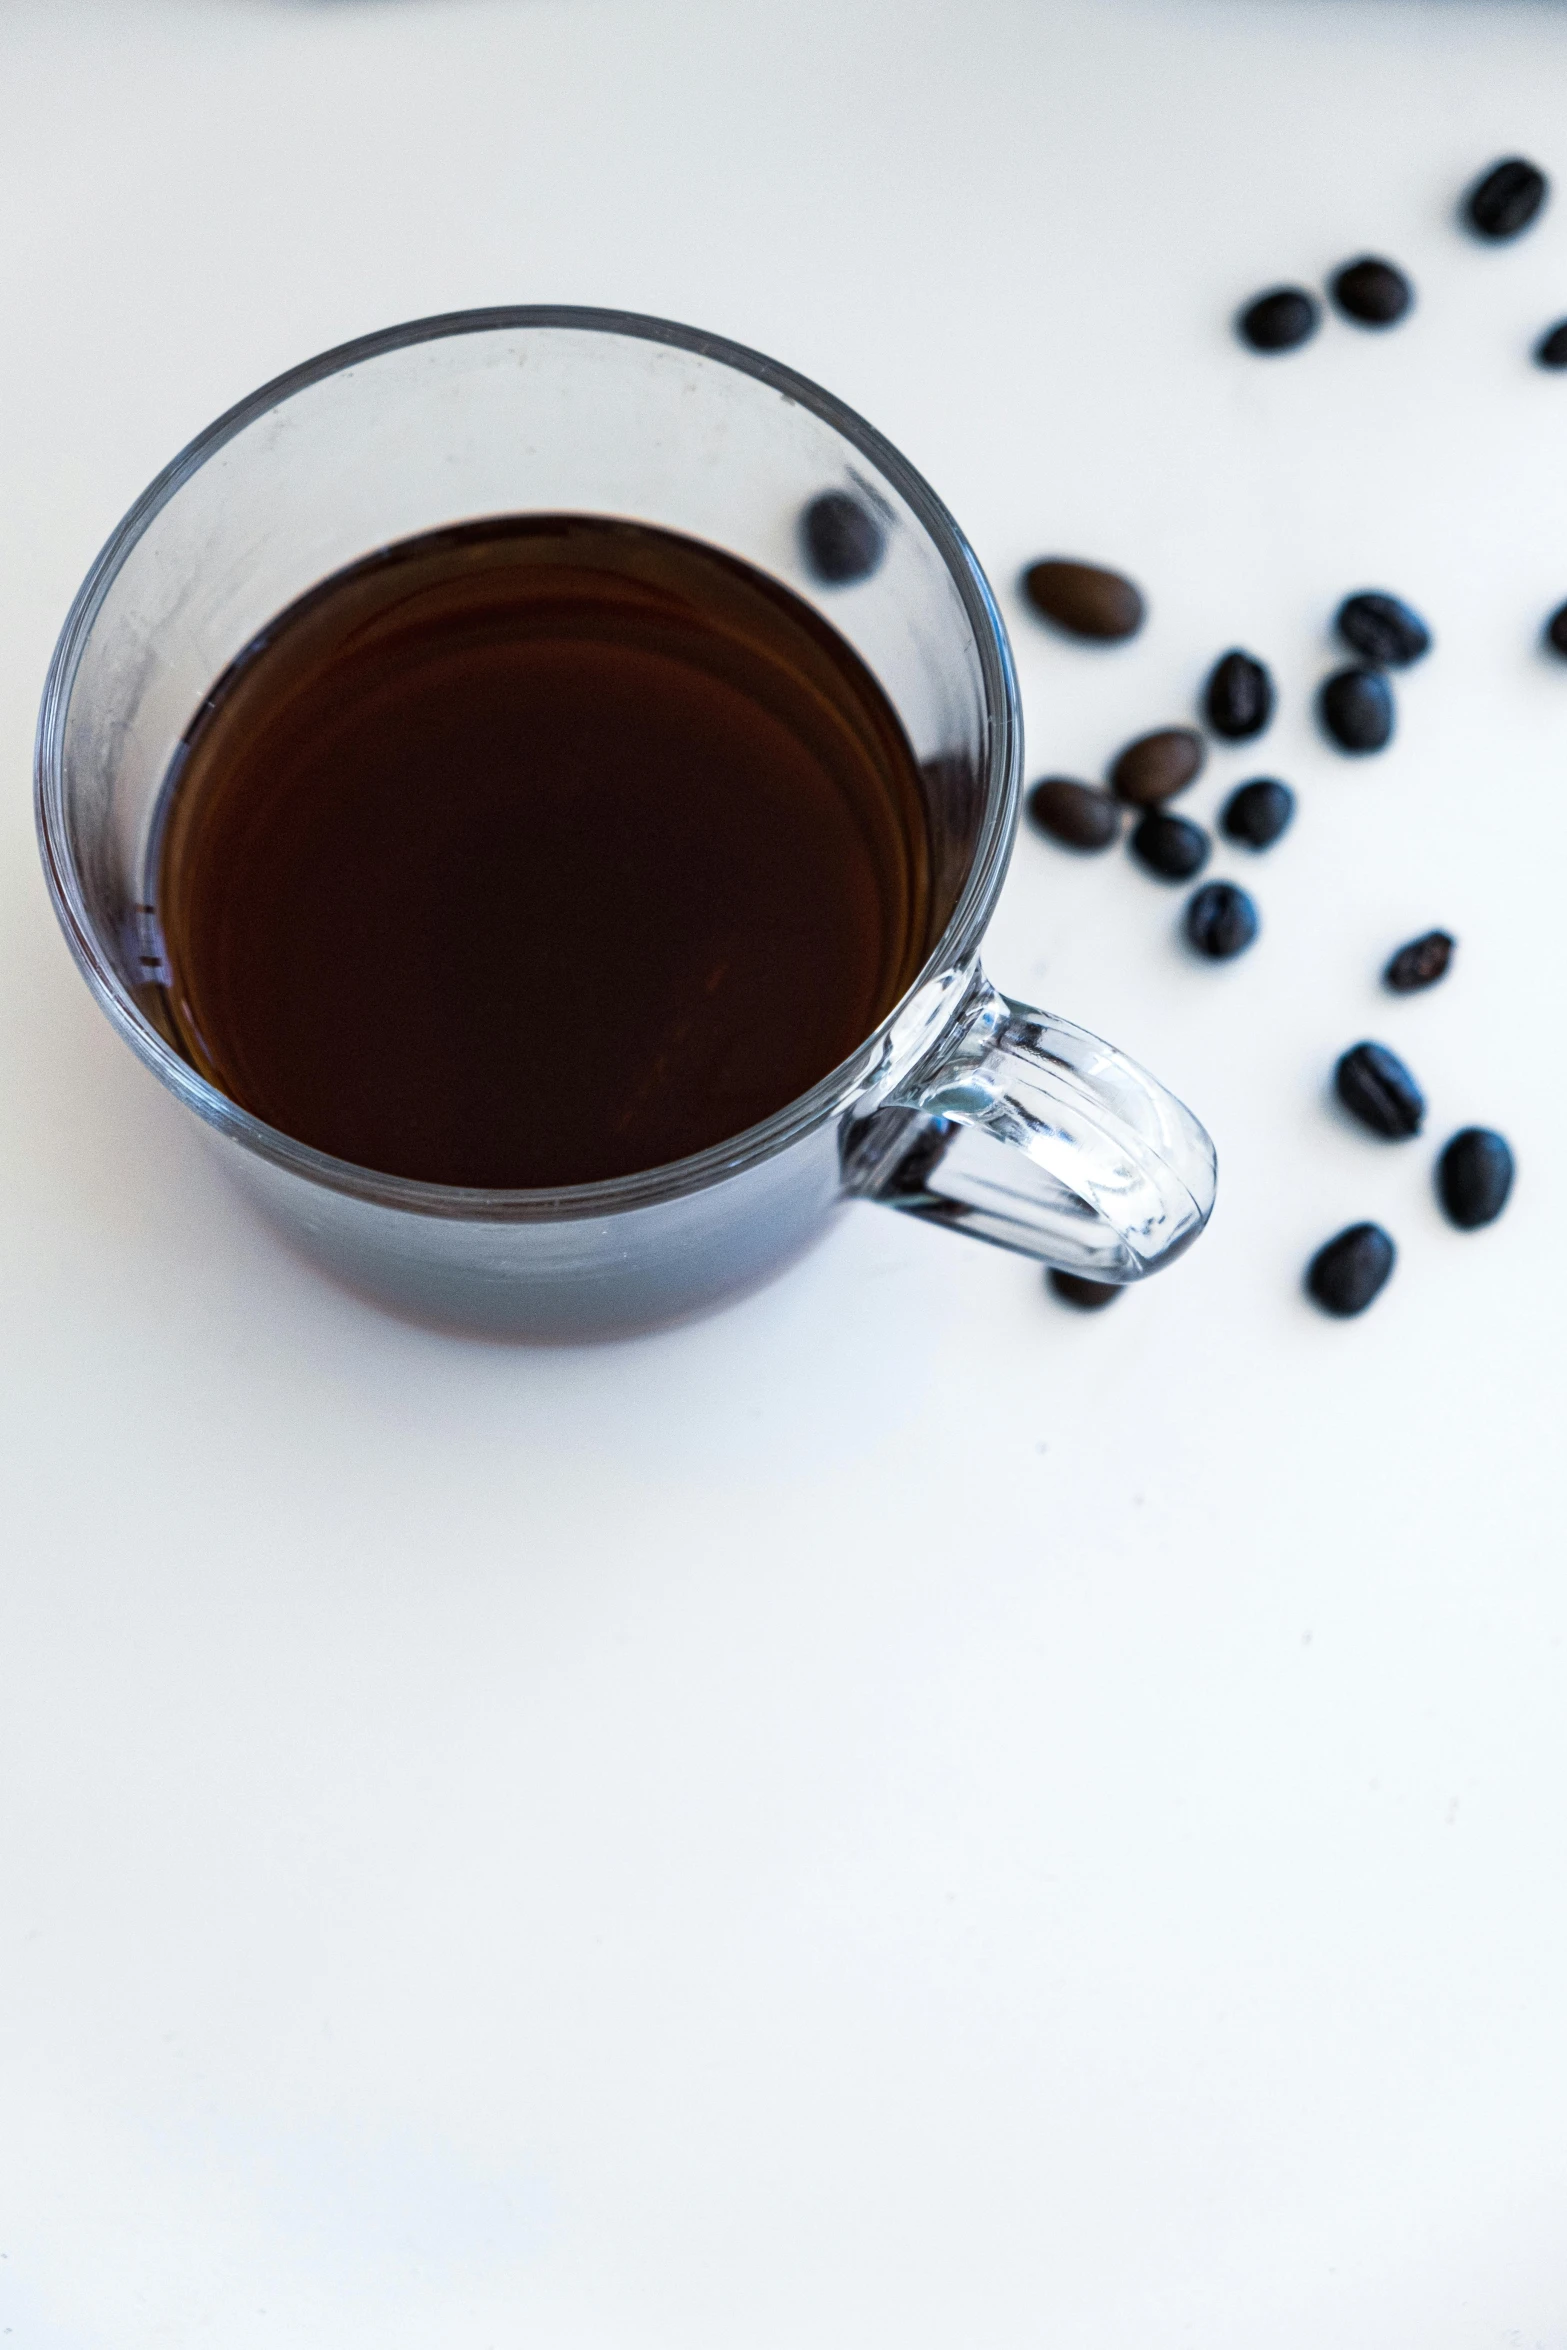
(951, 952)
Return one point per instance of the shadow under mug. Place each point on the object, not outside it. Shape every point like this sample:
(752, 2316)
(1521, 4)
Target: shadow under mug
(962, 1107)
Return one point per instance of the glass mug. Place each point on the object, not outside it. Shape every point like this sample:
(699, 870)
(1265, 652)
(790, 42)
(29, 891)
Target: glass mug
(962, 1107)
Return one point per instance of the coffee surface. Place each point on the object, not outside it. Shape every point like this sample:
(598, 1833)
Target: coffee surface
(535, 852)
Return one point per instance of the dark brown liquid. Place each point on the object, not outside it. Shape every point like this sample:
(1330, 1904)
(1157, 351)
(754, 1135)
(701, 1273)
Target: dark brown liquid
(539, 851)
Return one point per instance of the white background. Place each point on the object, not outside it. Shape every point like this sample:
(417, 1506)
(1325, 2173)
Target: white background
(895, 1817)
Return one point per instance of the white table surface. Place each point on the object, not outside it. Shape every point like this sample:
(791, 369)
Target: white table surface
(893, 1818)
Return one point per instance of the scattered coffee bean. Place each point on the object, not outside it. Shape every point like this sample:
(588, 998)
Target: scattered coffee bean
(1382, 629)
(1357, 709)
(1258, 812)
(1375, 1087)
(1419, 964)
(906, 1160)
(1551, 349)
(1556, 632)
(1348, 1271)
(1079, 815)
(1473, 1177)
(1075, 1289)
(1280, 320)
(1220, 920)
(1373, 293)
(1156, 766)
(843, 539)
(1503, 203)
(1170, 846)
(1239, 697)
(1084, 599)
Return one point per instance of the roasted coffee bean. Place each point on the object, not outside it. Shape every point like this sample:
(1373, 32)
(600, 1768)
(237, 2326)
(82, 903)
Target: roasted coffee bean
(1220, 920)
(1084, 599)
(1075, 1289)
(1551, 349)
(1258, 812)
(1280, 320)
(1419, 964)
(1556, 632)
(843, 538)
(1504, 202)
(1473, 1177)
(1156, 766)
(1170, 846)
(908, 1168)
(1357, 709)
(1238, 702)
(1079, 815)
(1347, 1272)
(1382, 629)
(1373, 293)
(1375, 1087)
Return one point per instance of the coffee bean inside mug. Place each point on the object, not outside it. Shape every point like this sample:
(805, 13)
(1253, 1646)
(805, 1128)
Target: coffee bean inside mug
(518, 760)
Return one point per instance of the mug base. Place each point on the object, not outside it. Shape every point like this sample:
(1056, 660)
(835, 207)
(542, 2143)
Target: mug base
(562, 1281)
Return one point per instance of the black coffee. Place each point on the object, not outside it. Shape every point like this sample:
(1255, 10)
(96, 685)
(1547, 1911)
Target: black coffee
(538, 851)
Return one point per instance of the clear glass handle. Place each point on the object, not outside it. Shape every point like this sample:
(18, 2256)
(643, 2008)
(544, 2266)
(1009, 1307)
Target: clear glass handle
(1028, 1132)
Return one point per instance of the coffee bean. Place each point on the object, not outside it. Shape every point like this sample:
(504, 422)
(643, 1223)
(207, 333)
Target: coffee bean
(1551, 349)
(907, 1158)
(1473, 1177)
(1084, 599)
(1280, 320)
(1258, 812)
(1419, 964)
(1503, 203)
(1078, 815)
(1170, 846)
(1556, 632)
(1375, 1087)
(1382, 629)
(1348, 1271)
(843, 539)
(1373, 293)
(1220, 920)
(1075, 1289)
(1156, 766)
(1239, 698)
(1357, 709)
